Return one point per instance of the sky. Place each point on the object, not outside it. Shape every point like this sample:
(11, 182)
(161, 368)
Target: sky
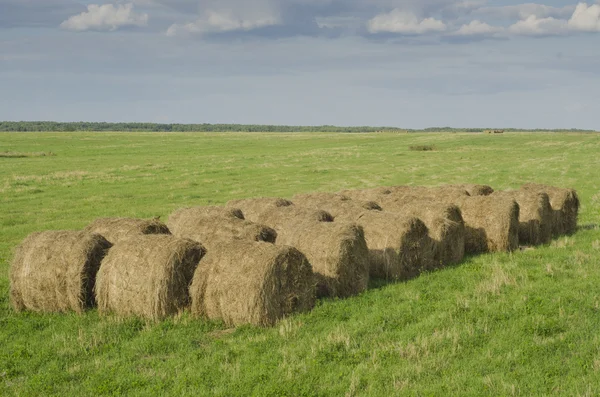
(398, 63)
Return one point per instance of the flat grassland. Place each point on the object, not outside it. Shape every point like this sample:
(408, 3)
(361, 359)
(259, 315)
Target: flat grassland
(502, 324)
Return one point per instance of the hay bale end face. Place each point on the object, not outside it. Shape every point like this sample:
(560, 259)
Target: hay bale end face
(115, 229)
(147, 276)
(244, 282)
(55, 271)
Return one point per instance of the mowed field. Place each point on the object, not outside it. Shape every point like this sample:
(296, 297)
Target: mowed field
(526, 323)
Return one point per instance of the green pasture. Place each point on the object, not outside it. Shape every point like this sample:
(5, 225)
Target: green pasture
(526, 323)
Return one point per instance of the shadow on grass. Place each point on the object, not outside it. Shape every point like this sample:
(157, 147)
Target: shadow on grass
(589, 226)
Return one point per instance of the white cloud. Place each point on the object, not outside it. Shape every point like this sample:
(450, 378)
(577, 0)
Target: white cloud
(226, 21)
(585, 18)
(105, 17)
(477, 28)
(524, 11)
(534, 26)
(398, 21)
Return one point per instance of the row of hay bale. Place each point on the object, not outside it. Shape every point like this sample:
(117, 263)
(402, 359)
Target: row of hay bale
(258, 260)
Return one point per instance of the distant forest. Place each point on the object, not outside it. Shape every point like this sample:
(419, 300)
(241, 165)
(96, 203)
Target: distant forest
(33, 126)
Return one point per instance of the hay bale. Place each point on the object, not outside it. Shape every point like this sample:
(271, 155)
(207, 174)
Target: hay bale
(476, 190)
(252, 207)
(257, 210)
(209, 227)
(337, 251)
(340, 206)
(445, 192)
(565, 205)
(535, 215)
(443, 220)
(245, 282)
(399, 246)
(55, 271)
(147, 276)
(181, 216)
(115, 229)
(491, 223)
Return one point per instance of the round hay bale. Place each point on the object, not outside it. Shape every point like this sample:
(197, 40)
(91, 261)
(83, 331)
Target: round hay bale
(443, 220)
(337, 252)
(535, 215)
(399, 246)
(252, 207)
(147, 276)
(210, 228)
(565, 205)
(491, 223)
(115, 229)
(245, 282)
(55, 271)
(381, 193)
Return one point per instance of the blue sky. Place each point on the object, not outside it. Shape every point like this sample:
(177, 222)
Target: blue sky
(403, 63)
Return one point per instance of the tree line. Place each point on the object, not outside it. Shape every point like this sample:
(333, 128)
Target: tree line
(43, 126)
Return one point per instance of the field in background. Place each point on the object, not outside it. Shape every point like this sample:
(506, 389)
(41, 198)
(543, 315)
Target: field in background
(522, 323)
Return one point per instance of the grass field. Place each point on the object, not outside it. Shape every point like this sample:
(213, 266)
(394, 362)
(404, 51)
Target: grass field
(525, 323)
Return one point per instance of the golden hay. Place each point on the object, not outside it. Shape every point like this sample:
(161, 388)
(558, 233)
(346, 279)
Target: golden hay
(265, 210)
(476, 190)
(444, 192)
(55, 271)
(147, 276)
(244, 282)
(491, 224)
(211, 228)
(253, 207)
(399, 246)
(443, 220)
(565, 206)
(115, 229)
(337, 251)
(535, 215)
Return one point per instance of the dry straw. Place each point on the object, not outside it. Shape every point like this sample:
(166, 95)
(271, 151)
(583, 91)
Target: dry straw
(147, 276)
(337, 251)
(399, 246)
(476, 190)
(253, 207)
(565, 206)
(215, 225)
(443, 220)
(244, 282)
(491, 223)
(445, 192)
(55, 271)
(115, 229)
(535, 215)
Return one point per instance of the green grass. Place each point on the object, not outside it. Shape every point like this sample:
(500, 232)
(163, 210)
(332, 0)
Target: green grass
(503, 324)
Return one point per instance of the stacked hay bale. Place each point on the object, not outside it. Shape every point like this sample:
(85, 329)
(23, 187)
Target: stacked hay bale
(443, 220)
(565, 207)
(116, 229)
(216, 224)
(490, 225)
(148, 276)
(246, 282)
(399, 246)
(337, 251)
(253, 207)
(55, 271)
(535, 215)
